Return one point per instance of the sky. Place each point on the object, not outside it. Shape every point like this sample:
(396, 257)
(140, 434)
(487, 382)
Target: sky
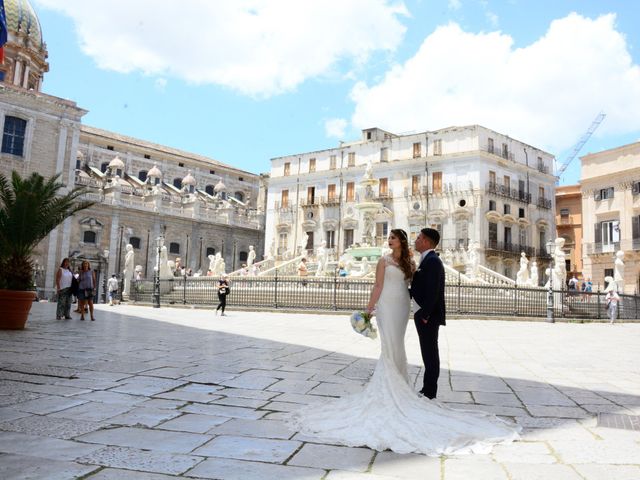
(249, 80)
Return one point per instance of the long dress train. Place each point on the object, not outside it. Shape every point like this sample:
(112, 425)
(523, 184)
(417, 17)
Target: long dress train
(388, 413)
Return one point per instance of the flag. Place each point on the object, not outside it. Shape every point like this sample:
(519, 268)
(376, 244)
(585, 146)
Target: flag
(3, 31)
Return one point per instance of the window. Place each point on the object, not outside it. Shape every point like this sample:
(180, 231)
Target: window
(635, 188)
(331, 239)
(332, 162)
(351, 159)
(284, 199)
(241, 179)
(104, 166)
(522, 236)
(135, 242)
(312, 165)
(414, 231)
(147, 156)
(311, 195)
(283, 240)
(507, 182)
(604, 193)
(564, 212)
(212, 172)
(287, 169)
(521, 213)
(507, 236)
(239, 196)
(492, 205)
(540, 164)
(382, 232)
(540, 192)
(505, 150)
(542, 240)
(181, 164)
(177, 182)
(174, 248)
(351, 188)
(142, 175)
(415, 184)
(493, 234)
(211, 251)
(368, 135)
(490, 145)
(608, 272)
(384, 154)
(348, 238)
(384, 187)
(243, 256)
(507, 209)
(13, 137)
(437, 147)
(437, 182)
(331, 192)
(609, 234)
(89, 237)
(209, 189)
(110, 147)
(462, 233)
(417, 150)
(492, 177)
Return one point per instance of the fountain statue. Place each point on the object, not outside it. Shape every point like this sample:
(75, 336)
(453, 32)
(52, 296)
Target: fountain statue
(367, 204)
(533, 280)
(128, 271)
(522, 277)
(618, 271)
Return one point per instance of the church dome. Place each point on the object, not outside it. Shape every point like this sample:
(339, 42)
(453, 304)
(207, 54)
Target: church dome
(116, 164)
(154, 172)
(23, 21)
(189, 179)
(220, 187)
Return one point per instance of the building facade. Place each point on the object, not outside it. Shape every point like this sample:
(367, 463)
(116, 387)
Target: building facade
(610, 184)
(471, 183)
(569, 226)
(141, 190)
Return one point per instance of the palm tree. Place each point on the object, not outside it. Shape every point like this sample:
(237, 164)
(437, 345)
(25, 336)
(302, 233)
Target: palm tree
(29, 209)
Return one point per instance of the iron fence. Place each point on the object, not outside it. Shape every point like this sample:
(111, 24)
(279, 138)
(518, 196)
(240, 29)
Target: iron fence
(342, 294)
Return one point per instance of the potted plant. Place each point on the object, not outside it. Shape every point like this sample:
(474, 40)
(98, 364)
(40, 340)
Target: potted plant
(29, 209)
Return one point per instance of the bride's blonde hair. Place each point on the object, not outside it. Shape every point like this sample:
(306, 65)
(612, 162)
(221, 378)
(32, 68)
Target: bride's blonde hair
(406, 263)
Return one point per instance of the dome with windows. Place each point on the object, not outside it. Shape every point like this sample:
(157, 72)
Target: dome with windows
(220, 187)
(189, 179)
(154, 172)
(116, 164)
(25, 51)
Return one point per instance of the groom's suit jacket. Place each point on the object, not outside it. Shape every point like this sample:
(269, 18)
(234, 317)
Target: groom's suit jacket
(427, 289)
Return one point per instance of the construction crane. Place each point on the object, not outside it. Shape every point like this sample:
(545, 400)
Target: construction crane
(578, 146)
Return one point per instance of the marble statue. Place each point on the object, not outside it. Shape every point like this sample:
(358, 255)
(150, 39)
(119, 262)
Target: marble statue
(212, 263)
(448, 257)
(618, 271)
(533, 280)
(547, 272)
(138, 272)
(305, 240)
(165, 269)
(364, 266)
(129, 270)
(222, 268)
(610, 284)
(559, 266)
(473, 260)
(251, 256)
(321, 257)
(368, 170)
(522, 277)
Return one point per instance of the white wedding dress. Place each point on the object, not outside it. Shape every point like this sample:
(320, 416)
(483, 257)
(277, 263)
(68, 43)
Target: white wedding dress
(388, 414)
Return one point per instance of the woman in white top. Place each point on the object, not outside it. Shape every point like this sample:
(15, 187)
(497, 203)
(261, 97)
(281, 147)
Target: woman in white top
(64, 278)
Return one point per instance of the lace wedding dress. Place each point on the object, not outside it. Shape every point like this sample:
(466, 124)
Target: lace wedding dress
(388, 413)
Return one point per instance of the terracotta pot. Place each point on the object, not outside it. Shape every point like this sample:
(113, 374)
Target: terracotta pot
(15, 306)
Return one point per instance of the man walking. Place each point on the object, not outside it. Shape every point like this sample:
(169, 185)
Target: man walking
(427, 291)
(112, 287)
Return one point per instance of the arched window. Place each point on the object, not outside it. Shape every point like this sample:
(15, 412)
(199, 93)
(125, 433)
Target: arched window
(174, 248)
(142, 175)
(89, 237)
(104, 166)
(211, 251)
(239, 196)
(209, 190)
(243, 256)
(13, 136)
(177, 182)
(135, 242)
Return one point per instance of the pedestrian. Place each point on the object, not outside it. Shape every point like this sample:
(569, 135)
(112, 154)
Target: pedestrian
(223, 291)
(303, 271)
(64, 280)
(87, 288)
(612, 300)
(112, 287)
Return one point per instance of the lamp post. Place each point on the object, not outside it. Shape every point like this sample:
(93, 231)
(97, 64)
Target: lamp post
(156, 273)
(550, 248)
(105, 254)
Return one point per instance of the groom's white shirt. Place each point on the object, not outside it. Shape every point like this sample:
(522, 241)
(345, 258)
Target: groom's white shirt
(415, 305)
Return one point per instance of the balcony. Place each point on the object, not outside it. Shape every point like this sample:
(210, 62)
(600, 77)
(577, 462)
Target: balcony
(309, 202)
(500, 190)
(330, 201)
(567, 220)
(610, 248)
(544, 202)
(507, 249)
(542, 168)
(499, 153)
(453, 243)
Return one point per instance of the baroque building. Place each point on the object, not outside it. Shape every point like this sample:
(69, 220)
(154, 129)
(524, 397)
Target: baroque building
(471, 183)
(569, 226)
(141, 189)
(610, 186)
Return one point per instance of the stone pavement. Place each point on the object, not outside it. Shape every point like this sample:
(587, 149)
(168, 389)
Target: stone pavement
(152, 394)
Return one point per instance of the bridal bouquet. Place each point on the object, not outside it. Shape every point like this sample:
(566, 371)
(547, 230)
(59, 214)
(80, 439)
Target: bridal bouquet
(361, 323)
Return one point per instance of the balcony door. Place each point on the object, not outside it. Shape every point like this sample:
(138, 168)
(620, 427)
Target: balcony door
(610, 235)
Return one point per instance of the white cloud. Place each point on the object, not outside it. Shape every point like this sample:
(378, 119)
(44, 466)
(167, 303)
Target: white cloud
(545, 94)
(335, 127)
(254, 47)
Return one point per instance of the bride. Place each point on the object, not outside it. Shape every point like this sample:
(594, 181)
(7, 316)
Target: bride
(388, 414)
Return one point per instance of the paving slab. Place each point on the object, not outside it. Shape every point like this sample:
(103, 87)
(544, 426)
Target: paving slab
(332, 457)
(229, 469)
(22, 467)
(161, 440)
(44, 447)
(247, 448)
(50, 426)
(193, 423)
(254, 428)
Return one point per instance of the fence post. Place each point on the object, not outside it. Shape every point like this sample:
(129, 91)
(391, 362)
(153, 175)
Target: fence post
(335, 292)
(459, 292)
(515, 299)
(598, 304)
(184, 289)
(275, 291)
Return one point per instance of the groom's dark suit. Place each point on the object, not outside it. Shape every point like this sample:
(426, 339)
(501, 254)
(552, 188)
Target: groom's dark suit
(427, 289)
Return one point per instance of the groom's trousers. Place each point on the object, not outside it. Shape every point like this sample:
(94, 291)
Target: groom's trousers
(428, 335)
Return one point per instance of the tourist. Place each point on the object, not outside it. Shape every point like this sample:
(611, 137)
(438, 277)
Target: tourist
(303, 271)
(612, 300)
(64, 280)
(223, 291)
(112, 287)
(87, 288)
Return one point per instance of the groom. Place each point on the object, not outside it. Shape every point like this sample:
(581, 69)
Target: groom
(427, 290)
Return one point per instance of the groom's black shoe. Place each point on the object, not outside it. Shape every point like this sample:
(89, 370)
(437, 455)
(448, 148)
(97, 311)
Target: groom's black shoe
(422, 394)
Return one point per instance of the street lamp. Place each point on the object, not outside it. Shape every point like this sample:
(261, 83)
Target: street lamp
(105, 254)
(550, 250)
(156, 273)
